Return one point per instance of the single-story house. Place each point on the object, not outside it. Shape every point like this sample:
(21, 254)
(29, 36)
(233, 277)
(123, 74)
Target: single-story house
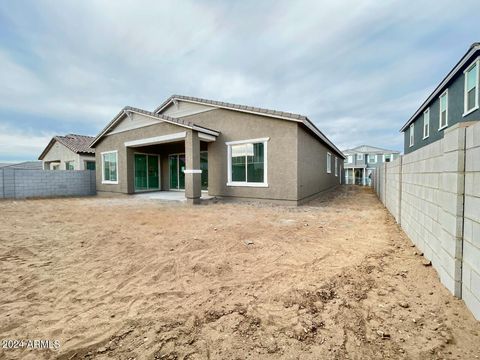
(69, 152)
(193, 145)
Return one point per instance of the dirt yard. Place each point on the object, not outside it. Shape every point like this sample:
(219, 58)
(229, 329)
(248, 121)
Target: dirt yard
(124, 278)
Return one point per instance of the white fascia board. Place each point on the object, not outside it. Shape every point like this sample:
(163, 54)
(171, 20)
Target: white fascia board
(156, 140)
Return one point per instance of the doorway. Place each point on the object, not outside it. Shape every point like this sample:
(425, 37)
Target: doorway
(146, 172)
(176, 165)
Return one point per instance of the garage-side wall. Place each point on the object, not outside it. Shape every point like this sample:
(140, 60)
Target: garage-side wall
(282, 153)
(126, 155)
(313, 177)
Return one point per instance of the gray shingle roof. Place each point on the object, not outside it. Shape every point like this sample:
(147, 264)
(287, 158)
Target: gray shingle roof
(178, 121)
(79, 144)
(233, 106)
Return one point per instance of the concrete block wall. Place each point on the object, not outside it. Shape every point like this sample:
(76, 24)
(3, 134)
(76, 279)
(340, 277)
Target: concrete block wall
(434, 193)
(432, 204)
(393, 188)
(20, 184)
(471, 226)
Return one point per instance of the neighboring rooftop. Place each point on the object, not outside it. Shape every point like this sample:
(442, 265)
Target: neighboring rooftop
(366, 149)
(26, 165)
(79, 144)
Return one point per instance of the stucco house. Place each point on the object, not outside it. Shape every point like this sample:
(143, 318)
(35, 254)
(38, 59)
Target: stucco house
(454, 100)
(69, 152)
(361, 161)
(194, 145)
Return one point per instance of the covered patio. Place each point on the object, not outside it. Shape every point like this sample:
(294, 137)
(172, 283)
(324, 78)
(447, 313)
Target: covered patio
(176, 163)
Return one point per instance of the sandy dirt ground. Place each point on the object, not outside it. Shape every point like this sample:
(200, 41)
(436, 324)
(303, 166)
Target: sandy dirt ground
(124, 278)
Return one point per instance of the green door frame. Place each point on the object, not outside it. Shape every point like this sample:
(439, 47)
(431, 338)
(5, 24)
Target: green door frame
(147, 156)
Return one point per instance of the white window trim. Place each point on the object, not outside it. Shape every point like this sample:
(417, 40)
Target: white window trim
(329, 163)
(440, 127)
(428, 134)
(348, 159)
(411, 134)
(359, 156)
(265, 162)
(69, 161)
(336, 166)
(477, 100)
(103, 167)
(374, 161)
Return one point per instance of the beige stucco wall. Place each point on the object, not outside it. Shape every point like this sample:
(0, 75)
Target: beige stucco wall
(59, 153)
(281, 152)
(313, 177)
(126, 155)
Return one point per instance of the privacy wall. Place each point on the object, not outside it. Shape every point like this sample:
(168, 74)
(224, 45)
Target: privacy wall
(434, 194)
(20, 183)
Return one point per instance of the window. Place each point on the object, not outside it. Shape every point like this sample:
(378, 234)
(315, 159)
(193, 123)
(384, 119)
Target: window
(350, 159)
(247, 163)
(329, 163)
(372, 158)
(110, 167)
(90, 165)
(426, 123)
(336, 166)
(471, 88)
(387, 158)
(412, 134)
(443, 110)
(69, 165)
(359, 156)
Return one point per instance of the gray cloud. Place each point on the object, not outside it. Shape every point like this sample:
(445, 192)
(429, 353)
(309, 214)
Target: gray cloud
(357, 69)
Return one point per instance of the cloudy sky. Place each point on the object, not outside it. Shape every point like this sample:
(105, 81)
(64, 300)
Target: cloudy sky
(358, 69)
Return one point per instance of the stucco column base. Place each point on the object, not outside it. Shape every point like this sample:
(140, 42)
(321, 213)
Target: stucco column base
(193, 178)
(194, 201)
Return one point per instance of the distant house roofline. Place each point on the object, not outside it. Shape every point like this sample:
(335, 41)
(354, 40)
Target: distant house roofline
(474, 48)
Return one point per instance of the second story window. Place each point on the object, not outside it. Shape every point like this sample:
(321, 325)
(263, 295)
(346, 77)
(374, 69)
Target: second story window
(471, 88)
(443, 123)
(359, 156)
(426, 123)
(412, 134)
(372, 158)
(350, 159)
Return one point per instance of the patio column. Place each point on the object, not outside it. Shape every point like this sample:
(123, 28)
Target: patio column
(193, 174)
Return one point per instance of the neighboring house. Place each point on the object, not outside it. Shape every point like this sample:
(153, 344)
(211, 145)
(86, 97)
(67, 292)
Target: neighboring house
(455, 100)
(26, 165)
(362, 160)
(69, 152)
(235, 151)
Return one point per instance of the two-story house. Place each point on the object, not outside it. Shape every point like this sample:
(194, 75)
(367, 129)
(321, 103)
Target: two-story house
(454, 100)
(362, 160)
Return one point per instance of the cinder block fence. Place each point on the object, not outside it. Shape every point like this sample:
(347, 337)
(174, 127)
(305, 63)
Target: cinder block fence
(21, 183)
(434, 194)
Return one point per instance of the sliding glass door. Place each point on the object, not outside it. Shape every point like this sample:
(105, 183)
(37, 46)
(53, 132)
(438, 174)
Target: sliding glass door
(176, 164)
(146, 172)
